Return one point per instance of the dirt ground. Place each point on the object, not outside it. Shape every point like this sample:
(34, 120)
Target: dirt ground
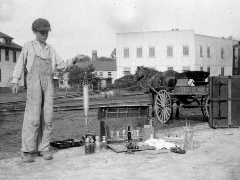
(217, 157)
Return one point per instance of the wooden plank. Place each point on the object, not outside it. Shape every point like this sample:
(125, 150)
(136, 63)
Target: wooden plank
(229, 102)
(223, 99)
(119, 148)
(191, 89)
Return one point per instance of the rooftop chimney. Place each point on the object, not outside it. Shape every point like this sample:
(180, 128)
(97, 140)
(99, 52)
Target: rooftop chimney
(94, 55)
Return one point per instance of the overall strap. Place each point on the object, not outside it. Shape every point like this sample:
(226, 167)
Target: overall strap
(33, 64)
(34, 48)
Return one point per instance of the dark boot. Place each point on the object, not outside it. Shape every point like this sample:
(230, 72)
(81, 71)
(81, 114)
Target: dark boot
(46, 155)
(27, 157)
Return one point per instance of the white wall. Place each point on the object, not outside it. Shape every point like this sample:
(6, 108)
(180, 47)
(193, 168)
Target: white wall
(215, 62)
(105, 74)
(177, 39)
(7, 69)
(159, 40)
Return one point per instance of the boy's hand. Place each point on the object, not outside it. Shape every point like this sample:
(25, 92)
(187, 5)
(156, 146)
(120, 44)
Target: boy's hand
(79, 58)
(15, 88)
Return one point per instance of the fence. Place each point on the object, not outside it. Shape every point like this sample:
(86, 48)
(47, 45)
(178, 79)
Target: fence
(9, 89)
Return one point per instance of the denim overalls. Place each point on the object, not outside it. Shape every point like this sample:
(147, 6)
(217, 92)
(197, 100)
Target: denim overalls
(37, 123)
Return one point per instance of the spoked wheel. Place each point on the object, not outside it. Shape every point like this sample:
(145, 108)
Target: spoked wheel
(195, 100)
(163, 106)
(205, 107)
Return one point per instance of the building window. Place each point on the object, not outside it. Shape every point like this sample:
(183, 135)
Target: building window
(109, 74)
(0, 75)
(0, 55)
(169, 51)
(222, 71)
(201, 51)
(208, 52)
(139, 52)
(235, 68)
(222, 53)
(236, 63)
(185, 50)
(7, 55)
(152, 52)
(126, 52)
(169, 68)
(100, 74)
(126, 73)
(14, 57)
(201, 68)
(208, 69)
(7, 41)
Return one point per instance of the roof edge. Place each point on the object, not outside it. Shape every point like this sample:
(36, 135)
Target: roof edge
(215, 37)
(156, 31)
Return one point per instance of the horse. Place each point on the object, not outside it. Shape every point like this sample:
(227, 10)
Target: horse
(157, 81)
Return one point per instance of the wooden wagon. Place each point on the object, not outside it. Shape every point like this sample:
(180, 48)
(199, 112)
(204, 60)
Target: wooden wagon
(182, 96)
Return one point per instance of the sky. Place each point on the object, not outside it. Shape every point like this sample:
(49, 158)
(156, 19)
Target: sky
(80, 26)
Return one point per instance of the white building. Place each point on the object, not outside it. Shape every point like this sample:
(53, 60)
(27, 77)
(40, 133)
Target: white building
(105, 70)
(9, 53)
(177, 49)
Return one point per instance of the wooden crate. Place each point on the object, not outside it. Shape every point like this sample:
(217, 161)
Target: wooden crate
(120, 117)
(224, 101)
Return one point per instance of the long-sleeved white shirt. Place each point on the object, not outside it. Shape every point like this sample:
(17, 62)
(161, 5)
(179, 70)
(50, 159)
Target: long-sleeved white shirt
(28, 53)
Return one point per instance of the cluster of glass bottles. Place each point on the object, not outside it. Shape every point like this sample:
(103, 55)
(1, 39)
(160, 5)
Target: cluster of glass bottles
(120, 136)
(95, 146)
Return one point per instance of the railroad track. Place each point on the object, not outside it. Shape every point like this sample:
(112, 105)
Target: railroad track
(56, 98)
(92, 105)
(61, 98)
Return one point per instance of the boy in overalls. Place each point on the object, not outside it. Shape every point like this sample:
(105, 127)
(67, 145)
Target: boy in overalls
(41, 59)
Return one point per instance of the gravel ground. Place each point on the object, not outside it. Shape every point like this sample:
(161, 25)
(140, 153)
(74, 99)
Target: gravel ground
(218, 156)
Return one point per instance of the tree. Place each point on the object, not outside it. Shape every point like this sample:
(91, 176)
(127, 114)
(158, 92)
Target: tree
(126, 82)
(111, 58)
(87, 58)
(113, 54)
(76, 74)
(104, 59)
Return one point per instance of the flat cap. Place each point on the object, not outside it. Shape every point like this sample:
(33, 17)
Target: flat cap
(41, 24)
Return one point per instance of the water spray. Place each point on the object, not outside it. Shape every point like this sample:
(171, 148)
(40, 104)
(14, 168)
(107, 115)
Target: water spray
(85, 100)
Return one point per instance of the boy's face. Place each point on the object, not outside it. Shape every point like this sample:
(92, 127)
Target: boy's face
(41, 36)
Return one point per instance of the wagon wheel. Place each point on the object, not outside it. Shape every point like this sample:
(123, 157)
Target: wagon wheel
(163, 106)
(205, 107)
(196, 100)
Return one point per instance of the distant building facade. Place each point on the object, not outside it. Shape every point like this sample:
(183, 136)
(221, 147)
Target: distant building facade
(9, 53)
(105, 70)
(179, 50)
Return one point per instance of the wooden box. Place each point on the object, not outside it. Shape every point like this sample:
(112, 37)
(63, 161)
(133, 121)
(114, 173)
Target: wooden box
(224, 101)
(117, 119)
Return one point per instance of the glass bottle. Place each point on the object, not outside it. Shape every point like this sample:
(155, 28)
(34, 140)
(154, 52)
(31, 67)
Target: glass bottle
(87, 146)
(104, 143)
(97, 145)
(92, 146)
